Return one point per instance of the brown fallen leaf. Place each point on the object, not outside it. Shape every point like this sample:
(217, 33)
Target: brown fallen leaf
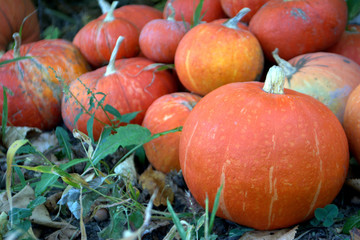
(282, 234)
(354, 183)
(152, 179)
(355, 234)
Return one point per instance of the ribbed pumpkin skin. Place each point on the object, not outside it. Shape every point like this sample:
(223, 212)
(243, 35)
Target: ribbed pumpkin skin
(232, 7)
(37, 91)
(299, 26)
(128, 90)
(139, 15)
(235, 56)
(349, 44)
(97, 39)
(328, 77)
(184, 10)
(279, 157)
(159, 39)
(12, 14)
(166, 113)
(351, 122)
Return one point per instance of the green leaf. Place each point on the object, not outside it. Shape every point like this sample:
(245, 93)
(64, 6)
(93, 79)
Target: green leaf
(64, 141)
(351, 222)
(116, 225)
(176, 221)
(4, 112)
(197, 14)
(110, 109)
(51, 32)
(36, 202)
(126, 118)
(239, 231)
(136, 218)
(353, 8)
(89, 127)
(327, 214)
(19, 214)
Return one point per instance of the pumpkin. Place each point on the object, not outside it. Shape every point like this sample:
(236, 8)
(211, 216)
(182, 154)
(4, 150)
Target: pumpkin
(328, 77)
(12, 15)
(185, 9)
(129, 85)
(349, 44)
(35, 81)
(159, 38)
(211, 55)
(232, 7)
(277, 153)
(224, 20)
(166, 113)
(351, 122)
(299, 27)
(98, 37)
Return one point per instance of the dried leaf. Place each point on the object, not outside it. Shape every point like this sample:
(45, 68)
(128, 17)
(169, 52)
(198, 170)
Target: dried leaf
(44, 141)
(355, 234)
(152, 180)
(354, 183)
(283, 234)
(18, 133)
(127, 170)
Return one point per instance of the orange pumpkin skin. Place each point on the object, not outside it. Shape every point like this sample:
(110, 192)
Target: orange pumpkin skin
(128, 90)
(184, 10)
(232, 7)
(328, 77)
(298, 27)
(278, 156)
(37, 91)
(159, 39)
(139, 14)
(235, 56)
(12, 14)
(97, 39)
(349, 44)
(166, 113)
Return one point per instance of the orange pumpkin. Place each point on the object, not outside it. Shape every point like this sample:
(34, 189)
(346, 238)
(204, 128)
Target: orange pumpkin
(37, 90)
(12, 15)
(211, 55)
(232, 7)
(279, 154)
(298, 27)
(166, 113)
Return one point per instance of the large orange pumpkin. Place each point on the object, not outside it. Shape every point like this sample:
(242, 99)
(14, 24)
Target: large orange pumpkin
(12, 15)
(37, 90)
(128, 86)
(298, 27)
(279, 154)
(211, 55)
(328, 77)
(165, 113)
(232, 7)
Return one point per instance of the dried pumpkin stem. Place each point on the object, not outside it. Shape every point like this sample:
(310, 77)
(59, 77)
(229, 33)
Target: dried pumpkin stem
(110, 14)
(104, 5)
(110, 69)
(285, 65)
(171, 17)
(275, 80)
(232, 22)
(17, 39)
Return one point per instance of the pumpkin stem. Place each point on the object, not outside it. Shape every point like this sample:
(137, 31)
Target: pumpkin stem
(110, 14)
(232, 22)
(110, 69)
(17, 39)
(104, 5)
(171, 17)
(275, 80)
(285, 65)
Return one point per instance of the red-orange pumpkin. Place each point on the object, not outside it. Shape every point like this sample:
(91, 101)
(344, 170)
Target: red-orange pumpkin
(279, 154)
(37, 90)
(185, 9)
(12, 14)
(128, 85)
(298, 27)
(351, 122)
(349, 44)
(98, 37)
(211, 55)
(328, 77)
(232, 7)
(166, 113)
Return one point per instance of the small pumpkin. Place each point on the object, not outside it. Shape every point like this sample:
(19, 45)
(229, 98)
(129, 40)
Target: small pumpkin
(130, 85)
(279, 154)
(349, 44)
(166, 113)
(328, 77)
(232, 7)
(159, 38)
(98, 37)
(298, 27)
(12, 15)
(211, 55)
(34, 81)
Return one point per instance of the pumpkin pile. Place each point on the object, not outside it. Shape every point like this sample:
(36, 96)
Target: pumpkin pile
(275, 138)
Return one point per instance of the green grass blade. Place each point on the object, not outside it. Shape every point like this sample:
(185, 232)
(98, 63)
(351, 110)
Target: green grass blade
(176, 221)
(64, 141)
(14, 60)
(215, 208)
